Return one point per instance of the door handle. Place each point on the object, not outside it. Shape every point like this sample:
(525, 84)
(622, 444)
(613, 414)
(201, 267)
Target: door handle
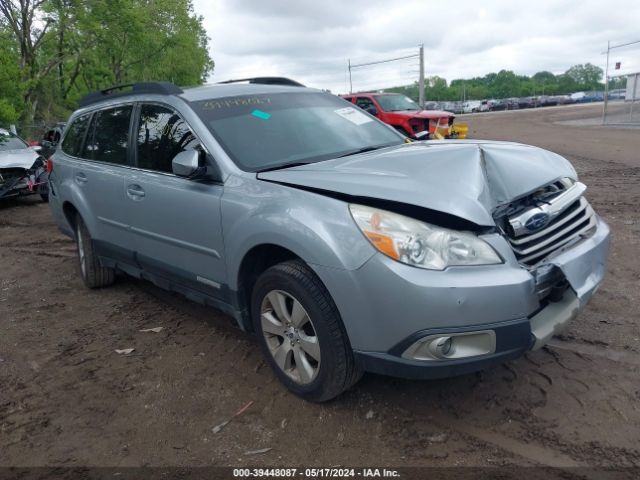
(135, 192)
(81, 178)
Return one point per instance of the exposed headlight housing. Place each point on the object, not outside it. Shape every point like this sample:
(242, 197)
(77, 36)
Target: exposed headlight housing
(420, 244)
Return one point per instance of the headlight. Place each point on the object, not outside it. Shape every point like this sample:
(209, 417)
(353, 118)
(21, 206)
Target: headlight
(420, 244)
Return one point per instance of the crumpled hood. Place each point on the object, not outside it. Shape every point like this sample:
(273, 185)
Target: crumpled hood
(465, 178)
(22, 158)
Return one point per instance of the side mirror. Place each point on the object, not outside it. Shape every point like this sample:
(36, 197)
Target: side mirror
(372, 111)
(186, 164)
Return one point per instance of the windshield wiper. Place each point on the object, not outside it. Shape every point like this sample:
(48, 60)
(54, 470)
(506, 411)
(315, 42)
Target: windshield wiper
(363, 150)
(282, 165)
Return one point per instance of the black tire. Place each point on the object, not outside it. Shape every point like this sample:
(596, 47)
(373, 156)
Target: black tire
(93, 274)
(336, 370)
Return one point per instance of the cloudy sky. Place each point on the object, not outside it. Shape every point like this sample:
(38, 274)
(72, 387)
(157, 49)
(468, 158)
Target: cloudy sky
(311, 41)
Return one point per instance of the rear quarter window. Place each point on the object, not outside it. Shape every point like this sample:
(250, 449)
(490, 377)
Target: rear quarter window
(72, 143)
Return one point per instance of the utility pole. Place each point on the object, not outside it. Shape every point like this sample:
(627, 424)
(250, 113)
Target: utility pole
(606, 75)
(421, 80)
(350, 82)
(606, 84)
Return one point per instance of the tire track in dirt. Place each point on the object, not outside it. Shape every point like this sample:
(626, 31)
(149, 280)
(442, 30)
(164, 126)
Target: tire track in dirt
(597, 351)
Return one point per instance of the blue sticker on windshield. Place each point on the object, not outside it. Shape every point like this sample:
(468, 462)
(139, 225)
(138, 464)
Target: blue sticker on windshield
(261, 115)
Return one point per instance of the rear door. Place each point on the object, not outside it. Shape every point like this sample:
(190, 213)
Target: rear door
(100, 175)
(176, 221)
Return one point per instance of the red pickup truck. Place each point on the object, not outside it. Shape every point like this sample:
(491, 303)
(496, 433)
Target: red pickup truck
(401, 112)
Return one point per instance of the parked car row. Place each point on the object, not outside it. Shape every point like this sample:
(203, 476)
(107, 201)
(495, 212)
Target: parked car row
(517, 103)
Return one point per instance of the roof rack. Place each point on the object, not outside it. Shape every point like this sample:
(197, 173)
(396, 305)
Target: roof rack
(166, 88)
(267, 81)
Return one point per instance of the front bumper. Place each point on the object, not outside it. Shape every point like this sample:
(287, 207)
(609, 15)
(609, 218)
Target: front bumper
(387, 307)
(16, 182)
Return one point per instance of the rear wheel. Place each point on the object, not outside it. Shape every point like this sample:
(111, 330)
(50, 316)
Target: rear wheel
(301, 332)
(93, 274)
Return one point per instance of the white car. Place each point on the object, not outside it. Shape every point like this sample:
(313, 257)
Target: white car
(471, 106)
(22, 169)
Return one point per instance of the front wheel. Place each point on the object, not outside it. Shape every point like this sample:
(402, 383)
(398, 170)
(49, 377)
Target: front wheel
(301, 332)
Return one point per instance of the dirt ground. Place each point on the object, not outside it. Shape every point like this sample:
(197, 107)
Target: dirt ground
(67, 399)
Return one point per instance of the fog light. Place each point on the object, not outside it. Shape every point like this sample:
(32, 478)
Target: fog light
(441, 347)
(452, 346)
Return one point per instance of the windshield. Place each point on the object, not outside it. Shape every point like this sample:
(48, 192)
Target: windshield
(396, 103)
(9, 142)
(271, 130)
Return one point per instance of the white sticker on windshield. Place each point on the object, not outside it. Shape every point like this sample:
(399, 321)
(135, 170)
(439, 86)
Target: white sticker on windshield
(353, 115)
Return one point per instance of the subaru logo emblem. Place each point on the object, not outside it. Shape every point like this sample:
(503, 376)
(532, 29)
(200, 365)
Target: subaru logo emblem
(537, 221)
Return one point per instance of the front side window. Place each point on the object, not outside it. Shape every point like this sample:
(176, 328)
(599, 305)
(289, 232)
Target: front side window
(266, 131)
(72, 143)
(396, 103)
(365, 103)
(162, 134)
(109, 136)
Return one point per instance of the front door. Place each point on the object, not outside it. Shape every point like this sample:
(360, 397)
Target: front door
(175, 221)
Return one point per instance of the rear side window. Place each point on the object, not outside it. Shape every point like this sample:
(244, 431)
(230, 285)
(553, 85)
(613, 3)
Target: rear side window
(72, 143)
(162, 134)
(109, 136)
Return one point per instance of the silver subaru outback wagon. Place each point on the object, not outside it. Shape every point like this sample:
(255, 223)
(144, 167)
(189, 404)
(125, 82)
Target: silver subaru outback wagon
(343, 246)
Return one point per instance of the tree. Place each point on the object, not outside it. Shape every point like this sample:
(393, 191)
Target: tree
(30, 28)
(436, 88)
(588, 76)
(11, 95)
(544, 77)
(64, 48)
(505, 84)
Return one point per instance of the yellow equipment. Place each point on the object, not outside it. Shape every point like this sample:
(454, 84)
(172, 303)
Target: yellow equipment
(459, 130)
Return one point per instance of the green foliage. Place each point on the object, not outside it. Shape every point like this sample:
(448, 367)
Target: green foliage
(505, 84)
(588, 75)
(93, 44)
(10, 98)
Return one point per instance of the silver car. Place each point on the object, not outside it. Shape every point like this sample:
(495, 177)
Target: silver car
(341, 246)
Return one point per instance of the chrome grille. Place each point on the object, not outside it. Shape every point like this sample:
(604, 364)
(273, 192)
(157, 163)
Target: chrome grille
(567, 225)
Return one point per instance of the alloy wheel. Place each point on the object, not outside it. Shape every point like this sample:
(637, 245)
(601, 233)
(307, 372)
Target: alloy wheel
(290, 336)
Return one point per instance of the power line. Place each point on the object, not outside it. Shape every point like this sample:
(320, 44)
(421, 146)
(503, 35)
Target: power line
(417, 55)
